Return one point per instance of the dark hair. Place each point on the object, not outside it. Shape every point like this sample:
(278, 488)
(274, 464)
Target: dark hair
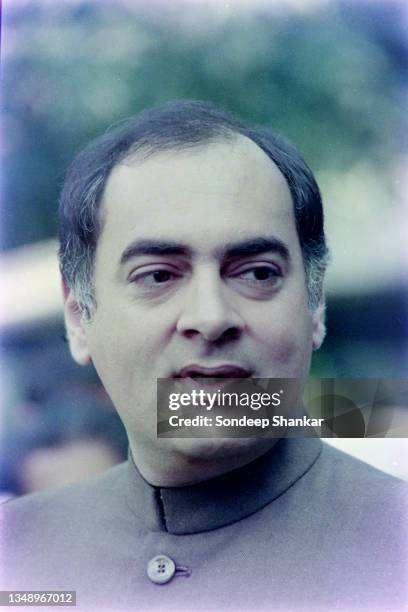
(177, 125)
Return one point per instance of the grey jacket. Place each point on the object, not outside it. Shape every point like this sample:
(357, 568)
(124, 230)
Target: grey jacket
(304, 527)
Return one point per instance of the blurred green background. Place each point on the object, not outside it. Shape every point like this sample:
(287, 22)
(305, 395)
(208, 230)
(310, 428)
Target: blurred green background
(330, 75)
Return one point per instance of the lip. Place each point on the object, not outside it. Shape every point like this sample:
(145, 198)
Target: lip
(227, 370)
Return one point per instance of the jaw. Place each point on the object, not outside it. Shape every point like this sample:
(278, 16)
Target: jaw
(185, 461)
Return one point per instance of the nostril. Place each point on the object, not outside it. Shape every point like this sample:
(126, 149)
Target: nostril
(190, 333)
(232, 333)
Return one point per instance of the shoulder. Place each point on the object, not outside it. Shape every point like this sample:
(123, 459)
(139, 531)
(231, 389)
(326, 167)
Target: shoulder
(353, 484)
(349, 468)
(66, 506)
(52, 538)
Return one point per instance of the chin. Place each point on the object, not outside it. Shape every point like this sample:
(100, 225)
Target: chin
(207, 449)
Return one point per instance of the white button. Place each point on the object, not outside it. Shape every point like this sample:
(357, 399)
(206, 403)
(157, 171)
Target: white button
(161, 569)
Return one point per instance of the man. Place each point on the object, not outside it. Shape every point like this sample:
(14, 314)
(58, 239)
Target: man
(192, 245)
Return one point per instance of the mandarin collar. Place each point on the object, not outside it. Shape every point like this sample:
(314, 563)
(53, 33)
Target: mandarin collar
(222, 500)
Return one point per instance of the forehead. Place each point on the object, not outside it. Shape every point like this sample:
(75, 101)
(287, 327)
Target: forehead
(211, 194)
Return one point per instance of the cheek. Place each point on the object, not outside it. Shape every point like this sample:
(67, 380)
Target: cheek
(285, 345)
(122, 367)
(286, 342)
(123, 346)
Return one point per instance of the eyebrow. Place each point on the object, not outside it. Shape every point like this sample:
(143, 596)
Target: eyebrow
(257, 246)
(252, 246)
(153, 247)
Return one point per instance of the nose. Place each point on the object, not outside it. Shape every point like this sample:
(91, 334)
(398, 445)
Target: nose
(207, 312)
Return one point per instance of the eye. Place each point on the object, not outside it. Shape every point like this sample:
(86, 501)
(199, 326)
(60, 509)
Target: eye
(152, 279)
(258, 280)
(161, 276)
(261, 274)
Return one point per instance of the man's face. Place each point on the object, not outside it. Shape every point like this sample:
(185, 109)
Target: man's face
(198, 266)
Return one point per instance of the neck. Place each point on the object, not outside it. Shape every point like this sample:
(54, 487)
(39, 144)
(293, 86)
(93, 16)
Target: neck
(183, 462)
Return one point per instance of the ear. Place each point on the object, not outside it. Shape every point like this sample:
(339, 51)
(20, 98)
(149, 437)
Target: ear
(75, 326)
(319, 325)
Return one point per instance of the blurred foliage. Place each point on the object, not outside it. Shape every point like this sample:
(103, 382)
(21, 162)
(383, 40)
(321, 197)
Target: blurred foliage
(333, 80)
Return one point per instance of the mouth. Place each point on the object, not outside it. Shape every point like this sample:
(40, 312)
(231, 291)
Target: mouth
(196, 371)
